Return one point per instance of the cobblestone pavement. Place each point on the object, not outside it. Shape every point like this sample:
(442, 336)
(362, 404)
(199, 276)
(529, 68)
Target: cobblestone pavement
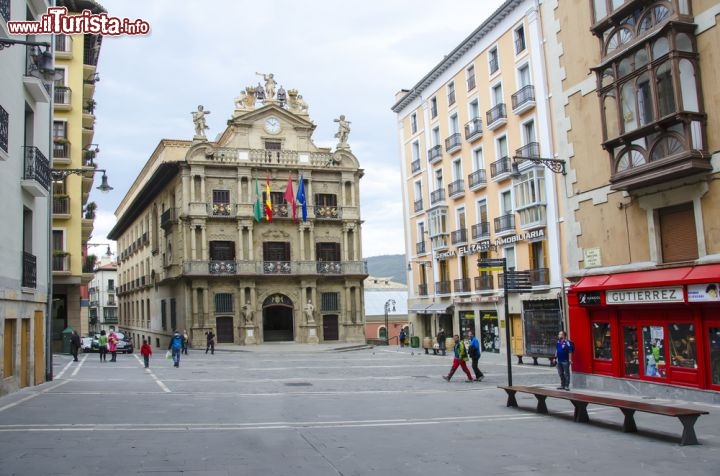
(323, 410)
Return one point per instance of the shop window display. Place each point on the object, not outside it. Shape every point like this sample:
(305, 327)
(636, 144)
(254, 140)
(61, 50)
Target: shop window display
(654, 351)
(601, 340)
(682, 346)
(630, 344)
(714, 341)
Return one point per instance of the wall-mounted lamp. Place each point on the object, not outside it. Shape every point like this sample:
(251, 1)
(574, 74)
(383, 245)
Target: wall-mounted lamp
(60, 174)
(531, 152)
(107, 253)
(43, 59)
(92, 79)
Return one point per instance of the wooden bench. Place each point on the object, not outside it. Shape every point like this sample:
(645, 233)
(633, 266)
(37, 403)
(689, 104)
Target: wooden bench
(687, 416)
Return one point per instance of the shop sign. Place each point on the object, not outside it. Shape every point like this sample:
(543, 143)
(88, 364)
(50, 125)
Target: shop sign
(592, 257)
(530, 235)
(485, 245)
(709, 292)
(589, 299)
(645, 296)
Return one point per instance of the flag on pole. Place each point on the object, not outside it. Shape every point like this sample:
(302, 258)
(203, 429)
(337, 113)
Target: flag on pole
(257, 209)
(268, 201)
(290, 198)
(301, 197)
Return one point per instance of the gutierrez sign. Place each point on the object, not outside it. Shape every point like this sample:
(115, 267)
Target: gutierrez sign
(645, 296)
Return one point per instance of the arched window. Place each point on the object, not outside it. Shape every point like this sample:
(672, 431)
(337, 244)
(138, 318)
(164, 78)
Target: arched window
(618, 39)
(629, 159)
(661, 47)
(667, 146)
(690, 100)
(683, 42)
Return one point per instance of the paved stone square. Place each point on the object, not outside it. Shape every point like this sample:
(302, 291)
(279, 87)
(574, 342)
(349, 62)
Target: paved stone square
(291, 409)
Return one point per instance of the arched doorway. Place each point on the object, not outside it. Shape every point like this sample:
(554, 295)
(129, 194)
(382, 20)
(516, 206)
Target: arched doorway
(224, 326)
(278, 319)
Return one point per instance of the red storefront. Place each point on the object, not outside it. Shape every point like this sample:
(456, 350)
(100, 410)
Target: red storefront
(660, 326)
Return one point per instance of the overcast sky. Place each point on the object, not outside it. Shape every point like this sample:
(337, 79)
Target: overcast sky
(344, 57)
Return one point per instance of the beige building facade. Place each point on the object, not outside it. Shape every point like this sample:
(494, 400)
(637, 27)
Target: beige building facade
(197, 251)
(632, 88)
(472, 133)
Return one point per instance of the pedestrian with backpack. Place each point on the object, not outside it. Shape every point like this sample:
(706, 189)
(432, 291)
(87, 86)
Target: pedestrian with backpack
(176, 344)
(460, 360)
(474, 353)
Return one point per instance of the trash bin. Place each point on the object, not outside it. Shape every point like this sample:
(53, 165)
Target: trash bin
(415, 342)
(66, 335)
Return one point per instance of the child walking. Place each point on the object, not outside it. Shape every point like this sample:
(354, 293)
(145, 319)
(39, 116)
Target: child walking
(146, 352)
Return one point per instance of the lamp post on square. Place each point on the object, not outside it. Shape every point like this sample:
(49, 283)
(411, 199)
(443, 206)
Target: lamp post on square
(390, 303)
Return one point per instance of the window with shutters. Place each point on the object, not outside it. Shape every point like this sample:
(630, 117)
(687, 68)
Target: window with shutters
(327, 251)
(329, 301)
(678, 239)
(222, 250)
(276, 251)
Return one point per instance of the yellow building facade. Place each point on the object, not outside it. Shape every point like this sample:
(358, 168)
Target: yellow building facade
(472, 134)
(76, 60)
(632, 88)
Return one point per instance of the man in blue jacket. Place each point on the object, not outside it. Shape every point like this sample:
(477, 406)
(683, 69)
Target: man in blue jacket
(176, 344)
(474, 353)
(563, 349)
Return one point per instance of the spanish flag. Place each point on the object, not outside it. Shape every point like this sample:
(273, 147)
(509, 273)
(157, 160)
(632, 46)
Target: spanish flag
(268, 201)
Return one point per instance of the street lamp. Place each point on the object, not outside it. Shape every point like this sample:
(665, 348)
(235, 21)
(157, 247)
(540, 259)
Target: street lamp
(43, 59)
(60, 174)
(388, 304)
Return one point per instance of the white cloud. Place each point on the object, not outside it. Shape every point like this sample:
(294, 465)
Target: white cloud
(345, 58)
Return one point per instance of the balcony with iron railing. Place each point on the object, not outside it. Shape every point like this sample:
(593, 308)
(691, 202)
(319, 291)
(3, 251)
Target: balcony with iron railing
(524, 99)
(459, 237)
(168, 218)
(61, 261)
(504, 224)
(420, 248)
(540, 276)
(473, 129)
(456, 189)
(453, 142)
(61, 206)
(61, 150)
(62, 96)
(270, 267)
(221, 210)
(496, 116)
(437, 196)
(415, 166)
(29, 270)
(477, 180)
(462, 285)
(36, 172)
(442, 287)
(418, 205)
(531, 150)
(501, 169)
(434, 153)
(484, 282)
(422, 290)
(481, 231)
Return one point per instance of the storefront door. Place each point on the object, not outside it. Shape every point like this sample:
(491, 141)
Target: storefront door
(712, 341)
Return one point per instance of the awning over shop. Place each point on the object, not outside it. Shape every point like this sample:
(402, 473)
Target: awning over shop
(658, 277)
(419, 308)
(438, 308)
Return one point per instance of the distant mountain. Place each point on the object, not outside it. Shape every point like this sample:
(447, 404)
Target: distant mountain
(388, 266)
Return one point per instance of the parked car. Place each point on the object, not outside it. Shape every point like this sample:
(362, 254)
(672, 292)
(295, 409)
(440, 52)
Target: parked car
(89, 344)
(125, 345)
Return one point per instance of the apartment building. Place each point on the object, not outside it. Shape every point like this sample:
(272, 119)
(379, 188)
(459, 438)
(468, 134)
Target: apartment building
(103, 305)
(637, 113)
(25, 193)
(74, 163)
(255, 236)
(481, 181)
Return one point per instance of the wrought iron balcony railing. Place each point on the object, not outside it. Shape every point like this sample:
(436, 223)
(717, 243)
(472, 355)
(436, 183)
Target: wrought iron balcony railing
(473, 129)
(484, 282)
(501, 167)
(29, 275)
(477, 179)
(505, 223)
(523, 98)
(453, 142)
(481, 230)
(496, 113)
(456, 188)
(37, 166)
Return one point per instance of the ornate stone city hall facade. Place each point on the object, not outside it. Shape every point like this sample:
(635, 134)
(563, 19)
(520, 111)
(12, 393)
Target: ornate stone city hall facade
(208, 241)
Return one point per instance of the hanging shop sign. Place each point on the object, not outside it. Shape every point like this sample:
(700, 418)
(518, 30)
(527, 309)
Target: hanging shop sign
(645, 296)
(709, 292)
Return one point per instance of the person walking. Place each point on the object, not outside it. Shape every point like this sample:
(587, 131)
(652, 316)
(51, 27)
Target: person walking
(441, 340)
(146, 352)
(460, 360)
(186, 339)
(176, 347)
(474, 353)
(210, 342)
(112, 345)
(74, 345)
(102, 345)
(401, 337)
(563, 349)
